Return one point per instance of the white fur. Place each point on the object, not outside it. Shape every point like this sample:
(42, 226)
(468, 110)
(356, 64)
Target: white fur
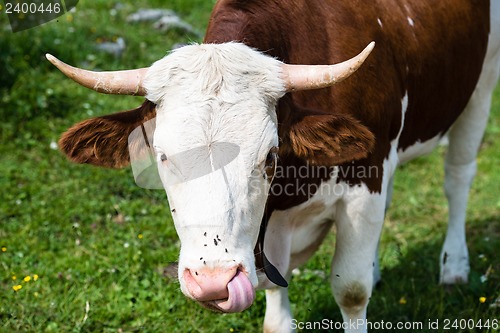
(293, 230)
(278, 317)
(210, 97)
(418, 149)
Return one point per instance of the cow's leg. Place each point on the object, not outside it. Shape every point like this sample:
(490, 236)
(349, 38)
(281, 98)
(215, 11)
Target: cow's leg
(359, 221)
(278, 317)
(390, 190)
(460, 167)
(377, 276)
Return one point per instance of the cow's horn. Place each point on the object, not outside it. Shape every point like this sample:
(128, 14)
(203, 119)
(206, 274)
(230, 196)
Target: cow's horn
(128, 82)
(306, 77)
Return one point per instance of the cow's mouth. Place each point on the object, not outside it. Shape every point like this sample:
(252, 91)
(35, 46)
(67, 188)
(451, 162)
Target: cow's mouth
(241, 295)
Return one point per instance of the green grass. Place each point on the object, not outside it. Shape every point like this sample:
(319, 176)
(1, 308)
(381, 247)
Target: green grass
(93, 237)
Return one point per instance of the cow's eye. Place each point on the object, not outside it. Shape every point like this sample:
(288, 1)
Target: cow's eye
(269, 159)
(272, 156)
(270, 166)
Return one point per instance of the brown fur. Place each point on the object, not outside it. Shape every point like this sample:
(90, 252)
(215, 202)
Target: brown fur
(103, 141)
(324, 139)
(436, 61)
(354, 296)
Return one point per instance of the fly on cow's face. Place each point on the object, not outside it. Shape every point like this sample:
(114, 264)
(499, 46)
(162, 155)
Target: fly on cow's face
(163, 157)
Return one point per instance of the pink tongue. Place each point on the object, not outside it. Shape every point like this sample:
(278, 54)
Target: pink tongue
(241, 294)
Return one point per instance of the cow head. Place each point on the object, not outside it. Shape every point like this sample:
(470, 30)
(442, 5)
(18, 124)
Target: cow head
(216, 144)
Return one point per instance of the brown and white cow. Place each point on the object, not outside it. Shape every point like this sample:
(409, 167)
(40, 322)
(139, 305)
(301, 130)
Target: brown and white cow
(431, 73)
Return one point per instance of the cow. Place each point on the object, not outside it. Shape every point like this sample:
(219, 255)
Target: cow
(280, 86)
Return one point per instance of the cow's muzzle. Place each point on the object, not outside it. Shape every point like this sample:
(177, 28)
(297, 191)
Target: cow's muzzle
(223, 290)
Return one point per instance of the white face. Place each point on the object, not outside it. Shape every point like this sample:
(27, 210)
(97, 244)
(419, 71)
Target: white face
(215, 139)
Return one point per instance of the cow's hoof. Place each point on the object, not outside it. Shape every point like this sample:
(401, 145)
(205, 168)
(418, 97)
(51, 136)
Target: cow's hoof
(454, 269)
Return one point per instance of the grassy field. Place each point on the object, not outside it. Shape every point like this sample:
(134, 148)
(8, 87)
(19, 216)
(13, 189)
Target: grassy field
(84, 249)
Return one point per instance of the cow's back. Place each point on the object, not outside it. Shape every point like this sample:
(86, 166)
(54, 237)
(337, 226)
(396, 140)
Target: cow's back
(429, 51)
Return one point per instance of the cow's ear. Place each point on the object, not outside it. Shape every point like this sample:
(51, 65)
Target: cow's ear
(326, 139)
(103, 141)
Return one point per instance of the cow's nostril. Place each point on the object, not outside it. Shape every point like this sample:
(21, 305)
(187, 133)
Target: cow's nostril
(208, 284)
(219, 289)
